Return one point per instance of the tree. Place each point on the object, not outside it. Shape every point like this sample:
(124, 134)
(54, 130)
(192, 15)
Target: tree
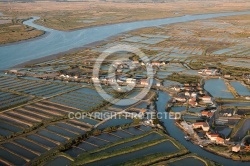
(108, 129)
(96, 132)
(136, 121)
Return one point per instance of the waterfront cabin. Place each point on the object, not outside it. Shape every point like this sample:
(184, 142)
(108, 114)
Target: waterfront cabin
(236, 148)
(215, 138)
(212, 136)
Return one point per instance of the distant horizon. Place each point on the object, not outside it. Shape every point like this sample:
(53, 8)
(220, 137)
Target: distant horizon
(127, 1)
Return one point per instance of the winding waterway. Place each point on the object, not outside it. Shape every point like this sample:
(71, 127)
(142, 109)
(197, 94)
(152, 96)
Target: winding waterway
(178, 134)
(59, 41)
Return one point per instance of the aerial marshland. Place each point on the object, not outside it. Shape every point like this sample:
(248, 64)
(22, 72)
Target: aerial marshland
(52, 113)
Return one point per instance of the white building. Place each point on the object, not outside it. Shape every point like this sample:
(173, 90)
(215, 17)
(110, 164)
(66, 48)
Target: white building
(130, 80)
(193, 95)
(206, 99)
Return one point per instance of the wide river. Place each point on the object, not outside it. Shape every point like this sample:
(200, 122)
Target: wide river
(59, 41)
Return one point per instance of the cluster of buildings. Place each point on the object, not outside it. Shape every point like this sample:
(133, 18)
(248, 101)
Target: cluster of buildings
(153, 63)
(227, 116)
(191, 94)
(123, 80)
(209, 72)
(115, 75)
(213, 137)
(68, 77)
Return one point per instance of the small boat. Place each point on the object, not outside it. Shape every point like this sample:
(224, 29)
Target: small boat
(201, 146)
(19, 75)
(187, 138)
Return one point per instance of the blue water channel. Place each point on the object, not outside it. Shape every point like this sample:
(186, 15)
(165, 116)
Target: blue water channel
(55, 41)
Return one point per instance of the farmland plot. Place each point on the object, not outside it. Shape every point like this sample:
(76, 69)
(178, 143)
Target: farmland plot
(8, 100)
(84, 99)
(32, 87)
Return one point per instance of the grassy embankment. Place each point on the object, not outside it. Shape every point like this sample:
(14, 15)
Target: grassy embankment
(182, 78)
(17, 31)
(68, 16)
(225, 151)
(238, 126)
(92, 157)
(191, 155)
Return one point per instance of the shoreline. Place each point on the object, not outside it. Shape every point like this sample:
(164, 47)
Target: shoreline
(50, 57)
(53, 56)
(43, 35)
(129, 21)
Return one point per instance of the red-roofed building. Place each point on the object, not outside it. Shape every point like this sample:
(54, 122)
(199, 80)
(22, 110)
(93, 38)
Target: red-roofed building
(192, 102)
(203, 125)
(207, 114)
(212, 136)
(219, 140)
(144, 82)
(156, 64)
(215, 138)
